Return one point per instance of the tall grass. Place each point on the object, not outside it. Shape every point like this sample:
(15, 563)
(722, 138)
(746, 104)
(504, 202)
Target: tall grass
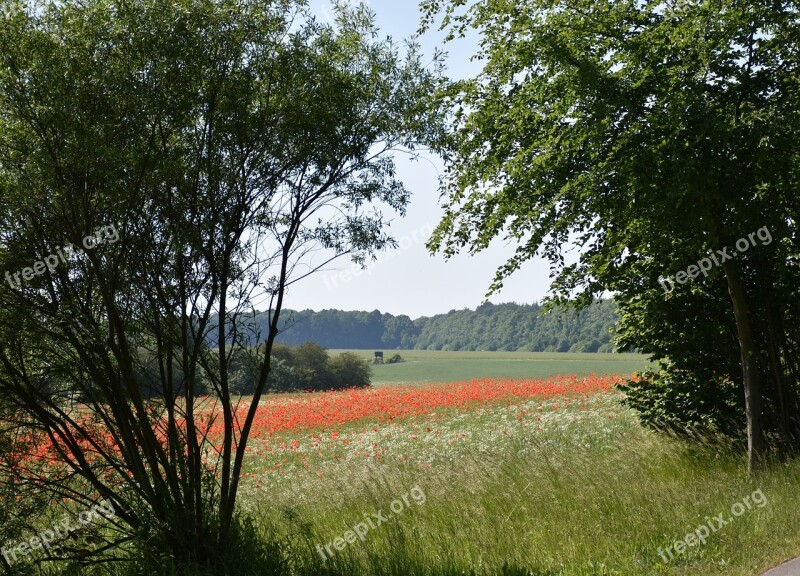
(581, 498)
(578, 489)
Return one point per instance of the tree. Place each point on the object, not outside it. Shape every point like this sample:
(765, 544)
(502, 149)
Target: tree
(193, 154)
(312, 360)
(650, 134)
(350, 370)
(399, 332)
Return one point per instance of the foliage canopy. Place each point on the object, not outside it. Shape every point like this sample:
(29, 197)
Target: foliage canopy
(647, 133)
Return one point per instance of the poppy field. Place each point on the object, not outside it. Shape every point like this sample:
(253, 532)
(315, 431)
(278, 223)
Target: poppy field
(538, 477)
(307, 432)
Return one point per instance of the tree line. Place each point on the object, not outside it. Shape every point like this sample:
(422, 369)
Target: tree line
(508, 327)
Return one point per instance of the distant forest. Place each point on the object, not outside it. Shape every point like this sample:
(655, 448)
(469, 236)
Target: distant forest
(489, 327)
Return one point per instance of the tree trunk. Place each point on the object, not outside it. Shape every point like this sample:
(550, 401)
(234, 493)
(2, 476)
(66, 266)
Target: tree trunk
(756, 448)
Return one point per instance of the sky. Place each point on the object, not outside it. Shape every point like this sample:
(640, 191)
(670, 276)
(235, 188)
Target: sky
(409, 280)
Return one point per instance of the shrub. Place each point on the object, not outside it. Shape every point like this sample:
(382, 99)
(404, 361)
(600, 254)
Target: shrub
(350, 370)
(683, 404)
(311, 362)
(305, 367)
(253, 552)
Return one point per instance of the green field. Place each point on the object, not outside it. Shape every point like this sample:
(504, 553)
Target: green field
(439, 366)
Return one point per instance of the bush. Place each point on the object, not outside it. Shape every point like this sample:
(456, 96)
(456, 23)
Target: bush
(147, 374)
(585, 346)
(680, 403)
(301, 368)
(253, 551)
(350, 370)
(283, 377)
(311, 363)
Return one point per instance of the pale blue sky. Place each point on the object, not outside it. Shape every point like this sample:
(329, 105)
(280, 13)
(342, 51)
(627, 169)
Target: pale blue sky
(409, 280)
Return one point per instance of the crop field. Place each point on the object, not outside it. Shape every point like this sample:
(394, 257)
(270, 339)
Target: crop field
(442, 366)
(548, 477)
(498, 476)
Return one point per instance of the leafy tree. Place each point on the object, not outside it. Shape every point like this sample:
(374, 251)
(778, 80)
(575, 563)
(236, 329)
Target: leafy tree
(652, 135)
(305, 367)
(350, 370)
(399, 332)
(208, 147)
(517, 327)
(311, 360)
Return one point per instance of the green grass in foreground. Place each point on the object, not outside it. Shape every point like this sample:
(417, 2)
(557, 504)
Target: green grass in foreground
(578, 490)
(440, 366)
(536, 488)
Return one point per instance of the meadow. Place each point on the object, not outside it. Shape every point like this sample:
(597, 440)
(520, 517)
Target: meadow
(445, 366)
(490, 476)
(545, 482)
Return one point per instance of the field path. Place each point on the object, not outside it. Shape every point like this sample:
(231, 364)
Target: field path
(790, 568)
